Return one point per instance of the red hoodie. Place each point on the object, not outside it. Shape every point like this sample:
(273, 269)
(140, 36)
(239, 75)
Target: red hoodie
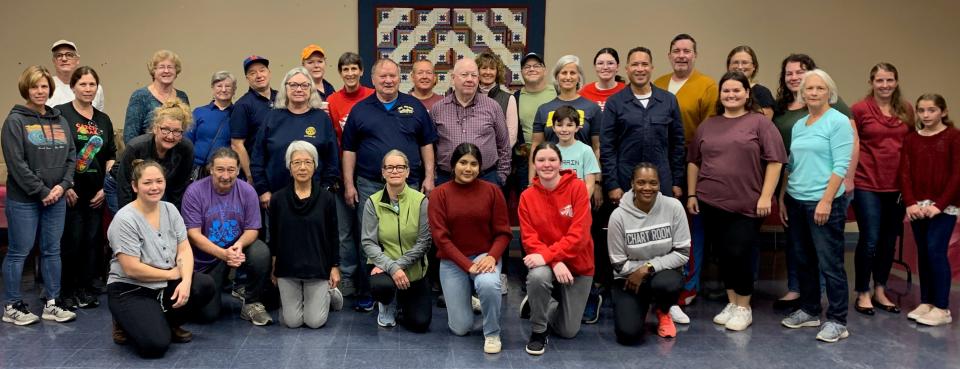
(556, 224)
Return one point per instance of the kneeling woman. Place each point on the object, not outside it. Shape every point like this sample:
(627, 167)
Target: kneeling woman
(305, 243)
(649, 243)
(555, 223)
(470, 226)
(395, 237)
(152, 288)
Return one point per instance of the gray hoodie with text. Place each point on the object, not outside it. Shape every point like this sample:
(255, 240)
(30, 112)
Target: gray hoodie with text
(660, 237)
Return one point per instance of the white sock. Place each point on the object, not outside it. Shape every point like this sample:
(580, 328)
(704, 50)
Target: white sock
(51, 302)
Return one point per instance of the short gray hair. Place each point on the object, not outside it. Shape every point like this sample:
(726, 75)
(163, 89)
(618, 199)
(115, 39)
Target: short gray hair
(395, 152)
(302, 146)
(564, 60)
(314, 100)
(223, 76)
(831, 85)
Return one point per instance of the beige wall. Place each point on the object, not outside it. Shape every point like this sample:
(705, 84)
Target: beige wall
(845, 37)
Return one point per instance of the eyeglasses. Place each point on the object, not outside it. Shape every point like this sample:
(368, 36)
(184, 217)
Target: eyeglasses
(165, 67)
(301, 163)
(394, 168)
(167, 131)
(66, 55)
(302, 86)
(532, 66)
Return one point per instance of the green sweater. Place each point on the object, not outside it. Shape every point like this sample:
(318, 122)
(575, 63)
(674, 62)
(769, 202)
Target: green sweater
(396, 236)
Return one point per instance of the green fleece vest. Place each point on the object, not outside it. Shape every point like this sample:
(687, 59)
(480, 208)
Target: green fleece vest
(398, 231)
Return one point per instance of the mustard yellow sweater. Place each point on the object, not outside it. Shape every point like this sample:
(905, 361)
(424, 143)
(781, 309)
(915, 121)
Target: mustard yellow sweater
(697, 99)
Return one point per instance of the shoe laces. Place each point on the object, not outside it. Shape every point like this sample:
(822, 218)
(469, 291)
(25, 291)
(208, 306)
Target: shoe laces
(20, 308)
(257, 308)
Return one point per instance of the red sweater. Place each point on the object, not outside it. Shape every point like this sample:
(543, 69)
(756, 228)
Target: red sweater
(556, 224)
(881, 138)
(340, 104)
(929, 167)
(592, 93)
(467, 220)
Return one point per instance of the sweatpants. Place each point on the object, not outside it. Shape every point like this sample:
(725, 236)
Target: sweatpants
(304, 301)
(558, 305)
(630, 309)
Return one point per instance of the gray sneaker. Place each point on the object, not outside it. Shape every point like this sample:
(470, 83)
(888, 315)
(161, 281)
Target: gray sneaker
(336, 299)
(387, 317)
(19, 314)
(256, 313)
(832, 332)
(55, 311)
(800, 319)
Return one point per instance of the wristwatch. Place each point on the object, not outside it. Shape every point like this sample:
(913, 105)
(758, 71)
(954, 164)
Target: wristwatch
(650, 268)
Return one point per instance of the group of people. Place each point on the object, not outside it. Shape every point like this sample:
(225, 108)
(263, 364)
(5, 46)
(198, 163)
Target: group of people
(379, 194)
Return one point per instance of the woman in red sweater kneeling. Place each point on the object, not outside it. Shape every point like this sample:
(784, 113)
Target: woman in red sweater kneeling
(555, 224)
(468, 219)
(929, 164)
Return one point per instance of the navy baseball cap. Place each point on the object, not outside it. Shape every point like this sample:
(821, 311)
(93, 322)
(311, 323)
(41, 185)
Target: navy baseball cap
(254, 59)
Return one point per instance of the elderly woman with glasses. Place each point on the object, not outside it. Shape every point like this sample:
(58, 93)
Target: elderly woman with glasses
(211, 128)
(296, 115)
(164, 67)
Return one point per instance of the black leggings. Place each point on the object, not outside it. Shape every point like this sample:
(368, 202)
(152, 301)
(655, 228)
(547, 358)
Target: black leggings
(733, 237)
(147, 317)
(630, 309)
(415, 302)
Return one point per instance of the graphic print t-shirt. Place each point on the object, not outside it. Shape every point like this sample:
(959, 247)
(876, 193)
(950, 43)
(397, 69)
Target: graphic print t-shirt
(93, 139)
(222, 218)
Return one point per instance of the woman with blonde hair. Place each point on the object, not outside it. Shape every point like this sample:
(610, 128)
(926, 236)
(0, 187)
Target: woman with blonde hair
(164, 68)
(165, 145)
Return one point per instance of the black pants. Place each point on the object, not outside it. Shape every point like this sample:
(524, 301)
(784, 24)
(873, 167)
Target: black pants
(257, 268)
(414, 302)
(630, 309)
(82, 240)
(146, 314)
(603, 272)
(732, 237)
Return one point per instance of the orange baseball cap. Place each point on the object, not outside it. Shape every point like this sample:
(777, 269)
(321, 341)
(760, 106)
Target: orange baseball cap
(309, 50)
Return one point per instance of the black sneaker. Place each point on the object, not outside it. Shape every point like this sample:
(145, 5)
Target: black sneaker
(537, 344)
(524, 308)
(70, 302)
(87, 300)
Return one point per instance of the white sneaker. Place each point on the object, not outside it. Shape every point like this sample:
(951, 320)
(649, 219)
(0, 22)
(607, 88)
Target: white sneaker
(387, 316)
(19, 314)
(740, 318)
(678, 315)
(491, 345)
(725, 314)
(53, 311)
(475, 304)
(336, 299)
(504, 284)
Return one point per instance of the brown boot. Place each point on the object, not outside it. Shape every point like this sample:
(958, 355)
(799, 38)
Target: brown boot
(119, 336)
(180, 335)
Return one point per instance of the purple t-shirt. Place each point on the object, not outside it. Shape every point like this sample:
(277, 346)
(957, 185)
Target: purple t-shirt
(220, 217)
(732, 154)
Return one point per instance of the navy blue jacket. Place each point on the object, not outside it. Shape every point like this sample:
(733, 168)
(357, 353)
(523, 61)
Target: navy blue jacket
(371, 131)
(280, 128)
(632, 134)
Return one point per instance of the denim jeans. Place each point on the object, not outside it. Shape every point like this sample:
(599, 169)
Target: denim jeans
(346, 227)
(457, 288)
(880, 219)
(695, 265)
(110, 193)
(933, 240)
(820, 250)
(23, 220)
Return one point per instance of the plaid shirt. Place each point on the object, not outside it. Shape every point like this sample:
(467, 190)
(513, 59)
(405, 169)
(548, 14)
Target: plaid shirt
(481, 123)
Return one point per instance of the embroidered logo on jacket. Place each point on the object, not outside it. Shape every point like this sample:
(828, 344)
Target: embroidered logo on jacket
(567, 211)
(310, 132)
(406, 109)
